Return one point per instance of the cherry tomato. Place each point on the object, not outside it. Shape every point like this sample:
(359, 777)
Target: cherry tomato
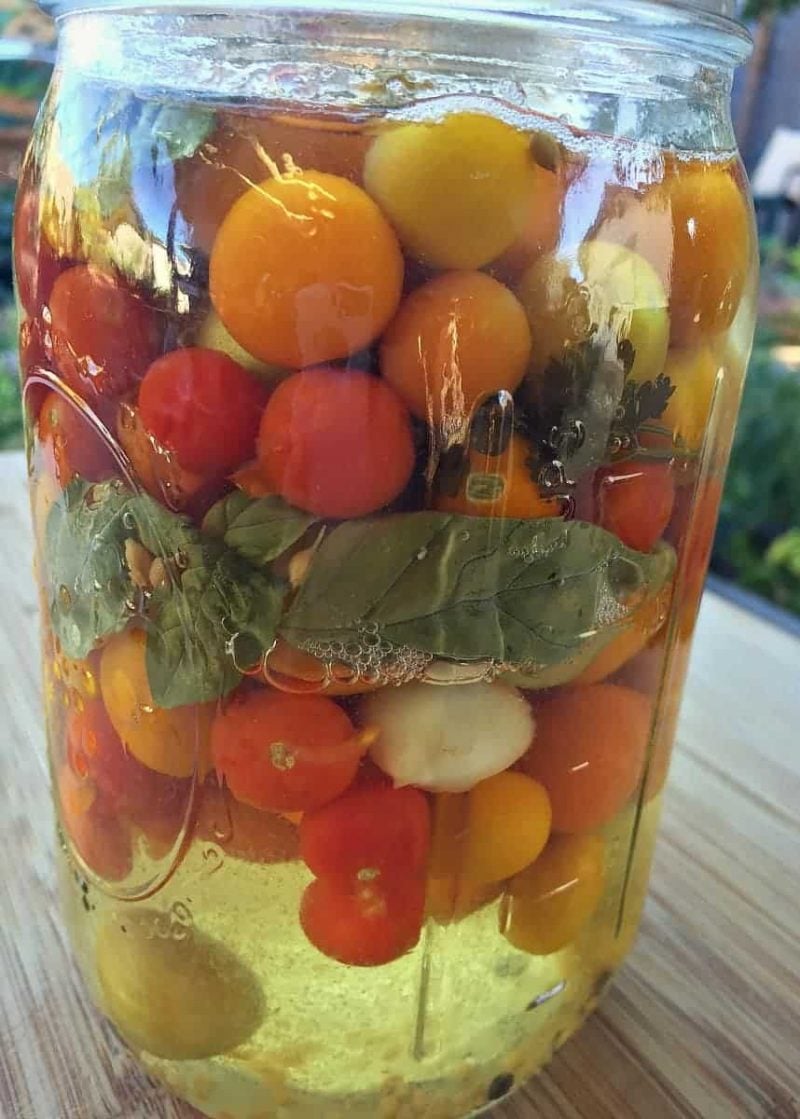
(135, 791)
(638, 631)
(542, 228)
(245, 148)
(336, 442)
(36, 265)
(242, 831)
(508, 823)
(154, 466)
(101, 840)
(305, 269)
(635, 501)
(589, 752)
(499, 486)
(363, 923)
(203, 406)
(379, 830)
(457, 190)
(457, 338)
(104, 336)
(172, 741)
(292, 670)
(713, 249)
(70, 444)
(285, 752)
(548, 904)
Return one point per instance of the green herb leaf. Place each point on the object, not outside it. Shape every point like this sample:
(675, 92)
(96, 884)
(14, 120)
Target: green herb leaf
(90, 588)
(259, 529)
(641, 402)
(527, 593)
(212, 598)
(576, 402)
(197, 627)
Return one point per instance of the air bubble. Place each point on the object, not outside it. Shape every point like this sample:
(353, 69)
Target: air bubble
(64, 597)
(422, 553)
(128, 520)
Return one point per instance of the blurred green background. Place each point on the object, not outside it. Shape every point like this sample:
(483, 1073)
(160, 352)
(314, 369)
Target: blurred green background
(758, 541)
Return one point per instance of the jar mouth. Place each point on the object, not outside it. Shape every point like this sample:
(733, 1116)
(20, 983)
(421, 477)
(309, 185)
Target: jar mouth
(698, 24)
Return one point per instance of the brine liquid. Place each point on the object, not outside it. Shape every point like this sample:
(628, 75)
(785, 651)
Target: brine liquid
(440, 1032)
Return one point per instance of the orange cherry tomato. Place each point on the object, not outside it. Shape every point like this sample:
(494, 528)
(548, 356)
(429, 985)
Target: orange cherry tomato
(245, 149)
(713, 249)
(635, 501)
(589, 752)
(285, 752)
(172, 741)
(498, 486)
(336, 442)
(508, 822)
(542, 229)
(364, 924)
(104, 336)
(459, 337)
(292, 670)
(305, 269)
(101, 840)
(640, 628)
(204, 407)
(71, 446)
(242, 831)
(375, 831)
(547, 905)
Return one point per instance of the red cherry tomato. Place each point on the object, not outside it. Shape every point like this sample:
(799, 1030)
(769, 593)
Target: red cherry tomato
(288, 753)
(104, 336)
(365, 923)
(144, 796)
(368, 829)
(36, 264)
(635, 500)
(70, 444)
(99, 837)
(205, 407)
(336, 442)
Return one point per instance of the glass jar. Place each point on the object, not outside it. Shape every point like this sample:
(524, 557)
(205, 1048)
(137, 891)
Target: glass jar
(380, 367)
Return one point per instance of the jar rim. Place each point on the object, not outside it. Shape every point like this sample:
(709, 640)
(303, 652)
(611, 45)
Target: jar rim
(681, 22)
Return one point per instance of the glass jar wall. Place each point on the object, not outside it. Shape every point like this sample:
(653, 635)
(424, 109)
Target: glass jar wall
(380, 373)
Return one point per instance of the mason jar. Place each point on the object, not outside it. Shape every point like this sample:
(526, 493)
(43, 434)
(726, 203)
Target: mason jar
(380, 368)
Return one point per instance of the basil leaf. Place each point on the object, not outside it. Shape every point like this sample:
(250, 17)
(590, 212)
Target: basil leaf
(519, 592)
(91, 593)
(260, 529)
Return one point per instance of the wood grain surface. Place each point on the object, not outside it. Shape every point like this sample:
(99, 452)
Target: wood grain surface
(704, 1019)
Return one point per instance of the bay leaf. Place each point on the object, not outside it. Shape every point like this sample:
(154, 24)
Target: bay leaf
(527, 593)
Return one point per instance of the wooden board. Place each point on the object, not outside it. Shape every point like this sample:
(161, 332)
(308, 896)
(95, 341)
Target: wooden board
(704, 1019)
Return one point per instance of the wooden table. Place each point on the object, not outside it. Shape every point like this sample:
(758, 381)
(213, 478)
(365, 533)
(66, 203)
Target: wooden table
(703, 1021)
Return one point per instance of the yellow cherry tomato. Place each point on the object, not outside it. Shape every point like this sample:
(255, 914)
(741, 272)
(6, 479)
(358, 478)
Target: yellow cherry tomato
(547, 905)
(713, 249)
(693, 374)
(172, 991)
(457, 338)
(602, 286)
(508, 823)
(458, 190)
(173, 741)
(212, 335)
(499, 486)
(305, 269)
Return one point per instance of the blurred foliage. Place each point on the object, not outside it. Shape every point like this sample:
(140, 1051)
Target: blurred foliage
(758, 540)
(755, 9)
